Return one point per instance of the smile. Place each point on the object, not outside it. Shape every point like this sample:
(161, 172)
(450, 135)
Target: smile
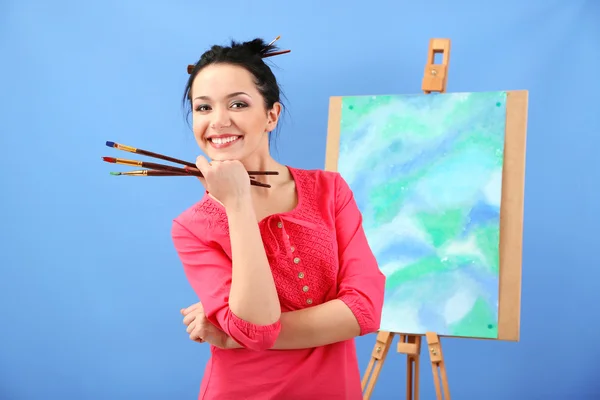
(223, 141)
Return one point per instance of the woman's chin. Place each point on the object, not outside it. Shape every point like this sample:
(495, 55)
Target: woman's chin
(222, 155)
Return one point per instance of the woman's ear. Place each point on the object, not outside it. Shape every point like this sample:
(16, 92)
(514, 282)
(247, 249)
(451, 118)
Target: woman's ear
(273, 117)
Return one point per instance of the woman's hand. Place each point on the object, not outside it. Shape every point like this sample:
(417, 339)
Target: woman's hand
(227, 181)
(201, 330)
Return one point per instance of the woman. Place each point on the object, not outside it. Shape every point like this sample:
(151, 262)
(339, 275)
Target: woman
(285, 276)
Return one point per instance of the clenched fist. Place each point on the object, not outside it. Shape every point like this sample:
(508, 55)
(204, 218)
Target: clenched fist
(200, 329)
(227, 181)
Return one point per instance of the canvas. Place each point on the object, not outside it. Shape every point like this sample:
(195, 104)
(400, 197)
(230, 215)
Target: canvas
(426, 172)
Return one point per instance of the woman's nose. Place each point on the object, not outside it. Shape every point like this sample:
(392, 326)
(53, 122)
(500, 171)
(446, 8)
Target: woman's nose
(221, 120)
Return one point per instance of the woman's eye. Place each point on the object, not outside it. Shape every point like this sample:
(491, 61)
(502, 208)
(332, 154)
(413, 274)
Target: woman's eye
(202, 108)
(238, 105)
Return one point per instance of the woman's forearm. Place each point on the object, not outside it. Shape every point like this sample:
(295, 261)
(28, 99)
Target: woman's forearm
(321, 325)
(253, 296)
(324, 324)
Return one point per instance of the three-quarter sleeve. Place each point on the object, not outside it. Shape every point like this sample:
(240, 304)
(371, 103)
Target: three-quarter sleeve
(208, 270)
(361, 283)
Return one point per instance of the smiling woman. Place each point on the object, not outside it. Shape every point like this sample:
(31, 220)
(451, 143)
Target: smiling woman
(235, 102)
(230, 124)
(285, 276)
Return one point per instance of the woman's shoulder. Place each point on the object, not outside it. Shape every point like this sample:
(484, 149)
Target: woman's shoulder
(321, 192)
(316, 177)
(327, 185)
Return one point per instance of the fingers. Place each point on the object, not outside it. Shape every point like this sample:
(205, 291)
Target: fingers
(189, 318)
(195, 322)
(186, 311)
(202, 164)
(198, 332)
(191, 327)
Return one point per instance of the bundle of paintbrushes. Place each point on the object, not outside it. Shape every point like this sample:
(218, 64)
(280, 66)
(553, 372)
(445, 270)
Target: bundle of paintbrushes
(154, 169)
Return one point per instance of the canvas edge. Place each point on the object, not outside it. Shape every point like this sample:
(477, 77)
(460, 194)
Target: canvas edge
(511, 216)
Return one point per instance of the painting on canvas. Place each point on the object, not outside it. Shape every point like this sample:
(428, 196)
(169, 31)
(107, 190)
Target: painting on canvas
(426, 172)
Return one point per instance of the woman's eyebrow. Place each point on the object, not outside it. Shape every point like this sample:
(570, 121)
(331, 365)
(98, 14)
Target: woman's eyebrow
(227, 97)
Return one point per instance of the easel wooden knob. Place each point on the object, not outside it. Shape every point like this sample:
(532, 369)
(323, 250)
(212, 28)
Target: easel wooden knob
(436, 75)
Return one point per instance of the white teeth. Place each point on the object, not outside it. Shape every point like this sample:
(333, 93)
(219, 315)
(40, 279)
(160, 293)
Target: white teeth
(224, 140)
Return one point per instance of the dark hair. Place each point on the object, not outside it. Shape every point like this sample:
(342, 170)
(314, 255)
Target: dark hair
(248, 55)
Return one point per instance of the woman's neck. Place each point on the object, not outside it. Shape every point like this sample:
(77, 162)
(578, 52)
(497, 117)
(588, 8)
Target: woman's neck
(267, 163)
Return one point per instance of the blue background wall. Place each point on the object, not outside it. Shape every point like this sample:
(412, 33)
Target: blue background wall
(90, 286)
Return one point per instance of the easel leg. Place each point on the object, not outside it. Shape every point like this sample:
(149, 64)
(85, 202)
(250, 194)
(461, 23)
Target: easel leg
(382, 346)
(437, 361)
(411, 346)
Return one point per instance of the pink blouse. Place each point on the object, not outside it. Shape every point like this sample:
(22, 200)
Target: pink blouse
(317, 252)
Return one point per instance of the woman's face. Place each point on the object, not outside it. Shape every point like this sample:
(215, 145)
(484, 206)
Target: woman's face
(230, 121)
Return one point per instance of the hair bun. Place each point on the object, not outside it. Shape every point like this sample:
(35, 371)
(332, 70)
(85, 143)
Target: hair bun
(258, 46)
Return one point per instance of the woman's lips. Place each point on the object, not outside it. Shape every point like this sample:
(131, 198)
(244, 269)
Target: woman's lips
(223, 141)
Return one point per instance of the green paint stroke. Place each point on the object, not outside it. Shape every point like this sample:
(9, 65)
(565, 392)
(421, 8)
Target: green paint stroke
(479, 322)
(394, 189)
(488, 242)
(476, 134)
(357, 109)
(397, 189)
(406, 124)
(443, 226)
(427, 266)
(423, 267)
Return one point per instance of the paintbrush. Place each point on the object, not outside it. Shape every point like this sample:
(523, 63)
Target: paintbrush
(151, 172)
(143, 164)
(130, 149)
(155, 166)
(275, 53)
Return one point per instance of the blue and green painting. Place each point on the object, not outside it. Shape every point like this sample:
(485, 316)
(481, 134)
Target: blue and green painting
(426, 172)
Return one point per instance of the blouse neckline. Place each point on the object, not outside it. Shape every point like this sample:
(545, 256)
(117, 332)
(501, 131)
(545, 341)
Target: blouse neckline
(299, 195)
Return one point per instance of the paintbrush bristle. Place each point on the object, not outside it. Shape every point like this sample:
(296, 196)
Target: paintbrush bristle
(110, 144)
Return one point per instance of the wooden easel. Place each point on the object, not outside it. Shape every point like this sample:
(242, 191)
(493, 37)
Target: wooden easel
(434, 80)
